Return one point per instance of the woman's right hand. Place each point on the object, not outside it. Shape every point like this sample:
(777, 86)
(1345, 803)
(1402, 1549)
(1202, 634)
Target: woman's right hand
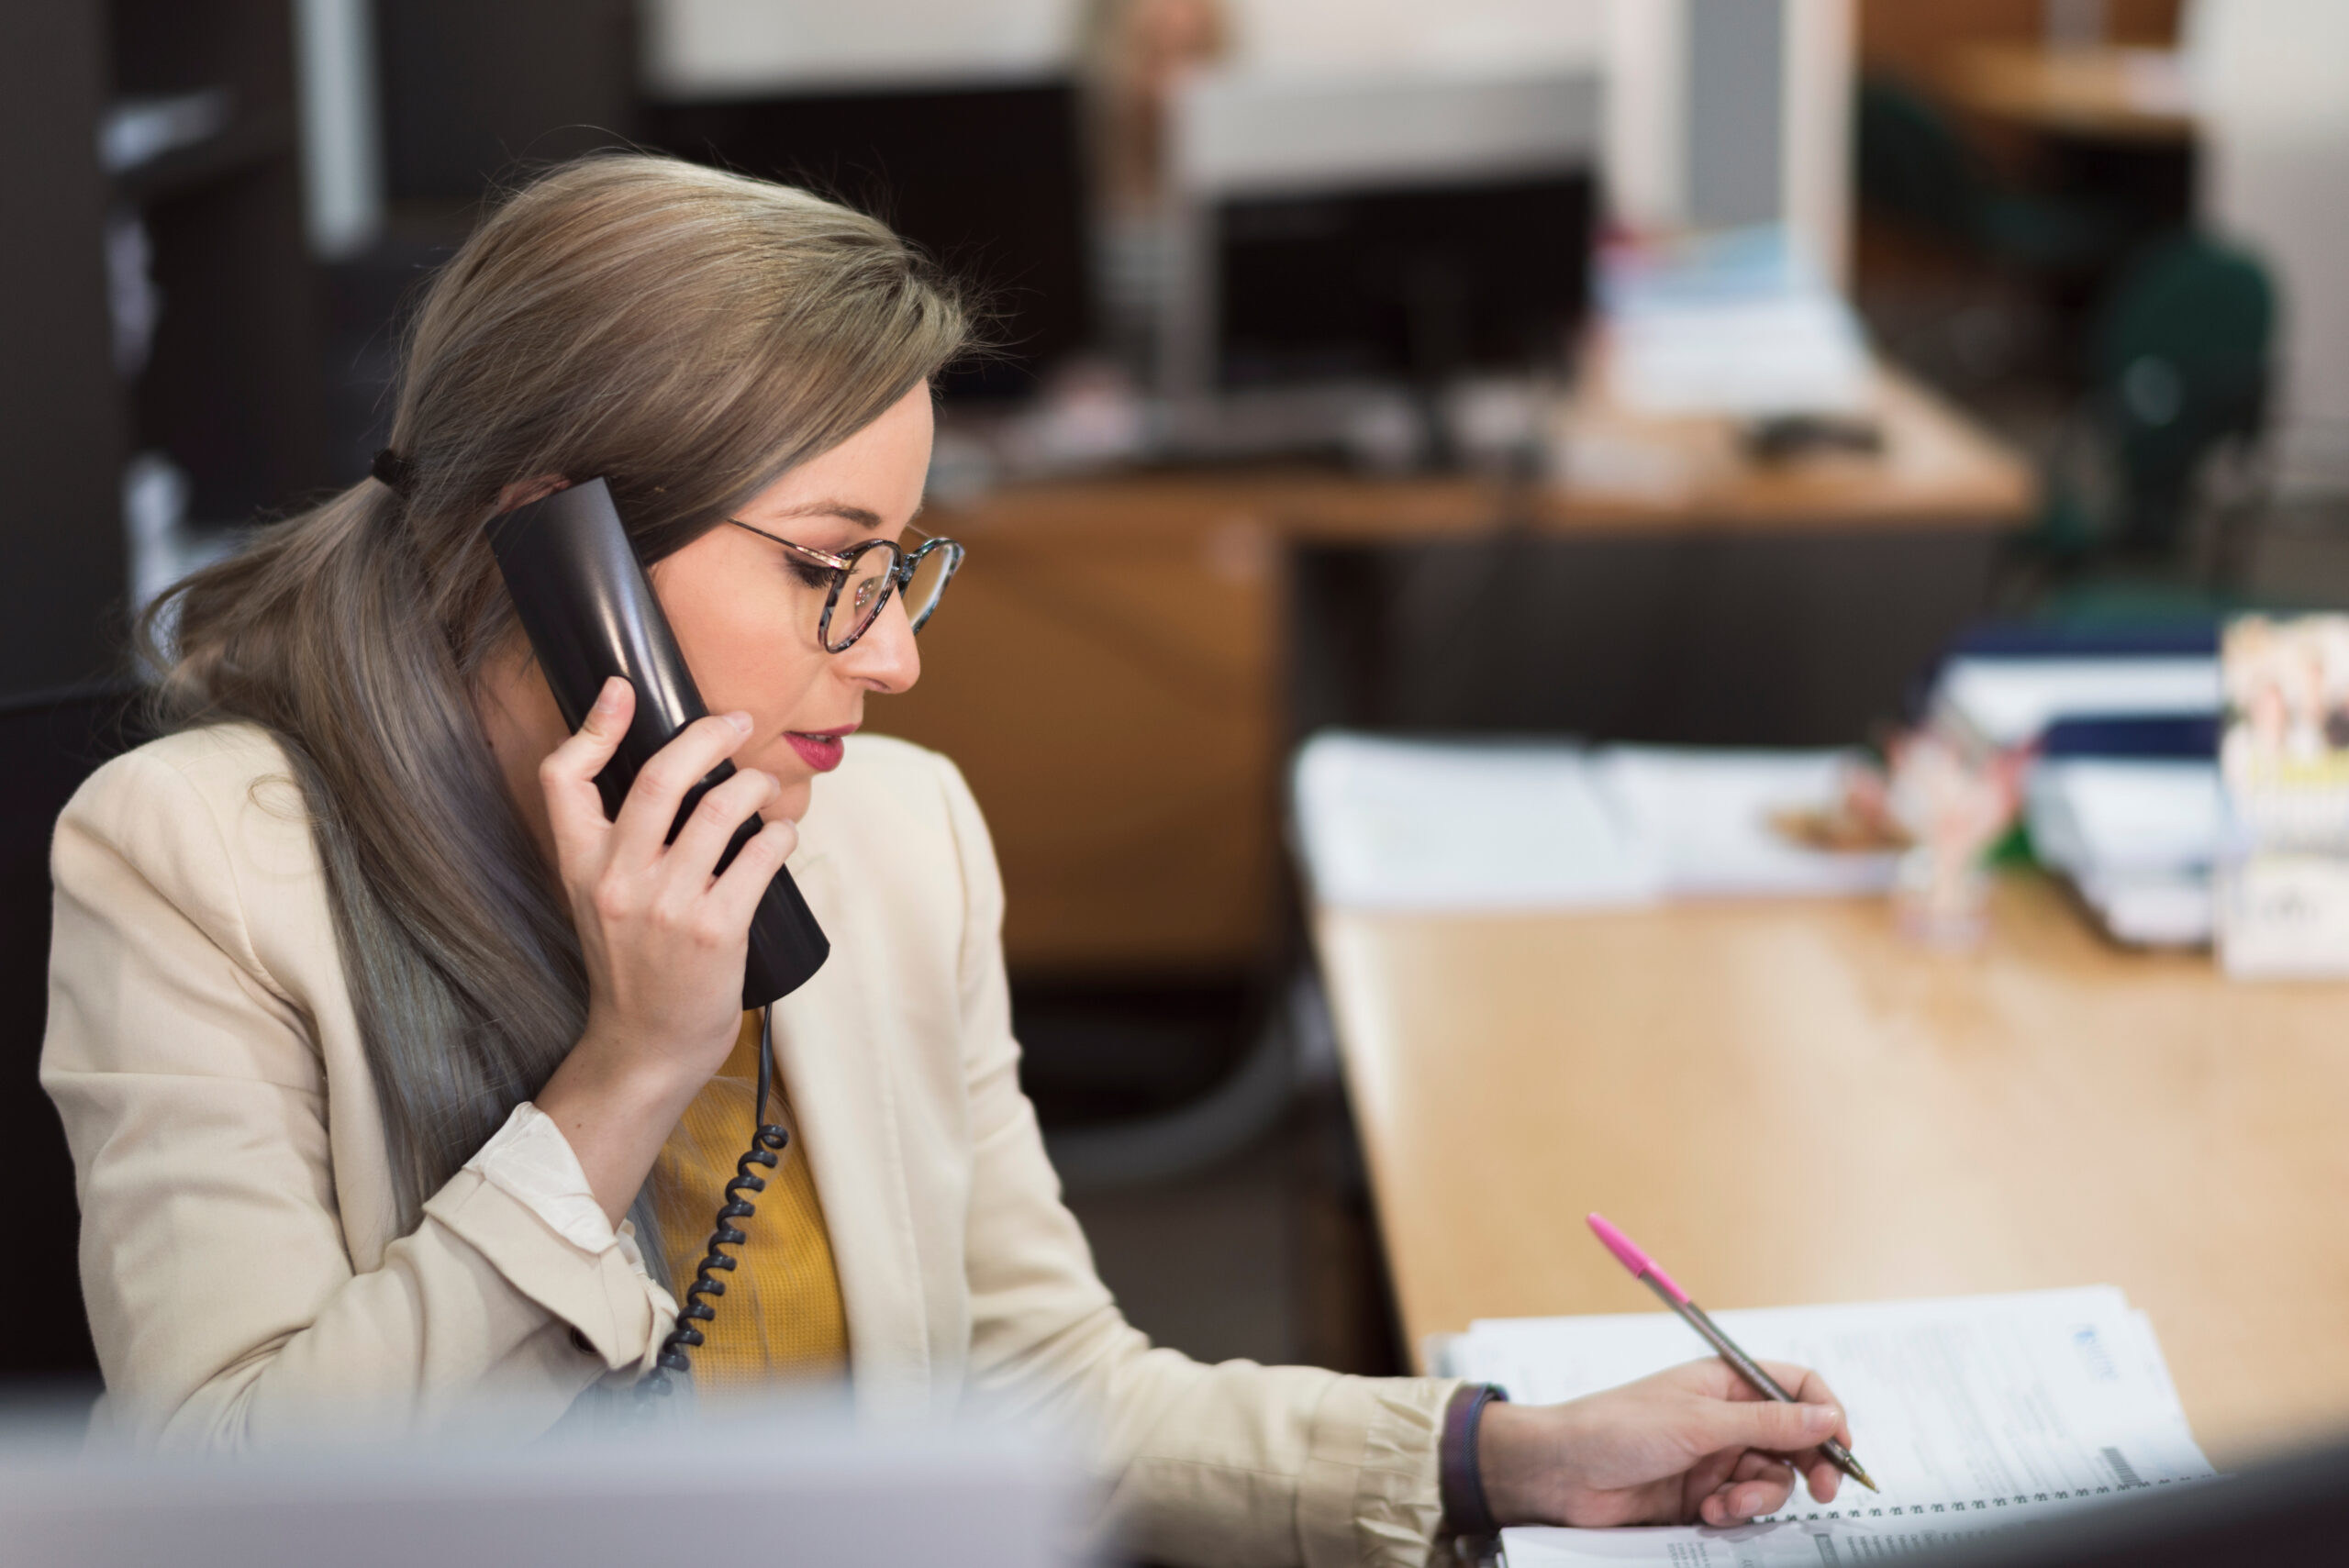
(665, 937)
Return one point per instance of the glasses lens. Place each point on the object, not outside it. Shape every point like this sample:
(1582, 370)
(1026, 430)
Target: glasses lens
(930, 573)
(861, 596)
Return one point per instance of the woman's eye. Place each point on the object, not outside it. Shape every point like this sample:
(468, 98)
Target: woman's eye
(807, 572)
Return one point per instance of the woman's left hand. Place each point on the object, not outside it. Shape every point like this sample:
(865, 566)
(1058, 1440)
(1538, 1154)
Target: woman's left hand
(1693, 1444)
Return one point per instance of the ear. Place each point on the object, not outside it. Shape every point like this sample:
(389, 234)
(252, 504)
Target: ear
(522, 492)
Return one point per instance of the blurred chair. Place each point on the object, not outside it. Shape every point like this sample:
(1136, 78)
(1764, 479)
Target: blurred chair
(2178, 369)
(2180, 362)
(52, 744)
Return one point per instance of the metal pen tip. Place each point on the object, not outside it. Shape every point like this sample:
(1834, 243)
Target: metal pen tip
(1861, 1477)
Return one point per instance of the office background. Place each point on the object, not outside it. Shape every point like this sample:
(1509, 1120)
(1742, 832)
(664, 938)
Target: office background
(1188, 550)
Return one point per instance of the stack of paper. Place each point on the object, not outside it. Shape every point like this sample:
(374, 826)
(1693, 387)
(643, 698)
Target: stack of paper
(1973, 1413)
(2010, 701)
(1400, 825)
(2137, 835)
(1426, 826)
(2138, 838)
(1705, 819)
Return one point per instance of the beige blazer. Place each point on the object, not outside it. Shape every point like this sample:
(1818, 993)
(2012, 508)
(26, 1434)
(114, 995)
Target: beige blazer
(243, 1272)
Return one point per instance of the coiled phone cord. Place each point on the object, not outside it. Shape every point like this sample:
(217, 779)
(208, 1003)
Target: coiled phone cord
(766, 1144)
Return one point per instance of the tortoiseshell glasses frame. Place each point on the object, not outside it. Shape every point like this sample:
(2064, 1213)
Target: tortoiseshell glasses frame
(872, 589)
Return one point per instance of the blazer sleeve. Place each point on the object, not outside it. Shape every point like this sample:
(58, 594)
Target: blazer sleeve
(1234, 1463)
(222, 1296)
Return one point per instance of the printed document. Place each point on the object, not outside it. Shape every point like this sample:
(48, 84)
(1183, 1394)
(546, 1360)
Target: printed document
(1975, 1414)
(1501, 826)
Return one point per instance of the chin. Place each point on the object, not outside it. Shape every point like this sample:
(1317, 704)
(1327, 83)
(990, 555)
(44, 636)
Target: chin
(793, 802)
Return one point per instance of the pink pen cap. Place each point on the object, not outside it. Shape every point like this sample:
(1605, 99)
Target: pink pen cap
(1627, 1252)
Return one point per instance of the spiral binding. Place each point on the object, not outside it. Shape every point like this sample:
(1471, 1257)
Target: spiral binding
(766, 1144)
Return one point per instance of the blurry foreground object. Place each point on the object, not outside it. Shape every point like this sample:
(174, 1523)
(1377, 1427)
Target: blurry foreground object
(2284, 889)
(790, 1485)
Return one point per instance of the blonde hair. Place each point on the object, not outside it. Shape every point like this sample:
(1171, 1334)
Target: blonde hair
(688, 334)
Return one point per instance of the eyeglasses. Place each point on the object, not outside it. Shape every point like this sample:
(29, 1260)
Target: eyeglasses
(862, 580)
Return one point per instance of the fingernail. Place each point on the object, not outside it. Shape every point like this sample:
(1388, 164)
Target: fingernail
(1825, 1418)
(740, 721)
(609, 697)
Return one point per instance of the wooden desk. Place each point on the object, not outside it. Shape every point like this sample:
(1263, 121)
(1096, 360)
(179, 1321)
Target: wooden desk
(1791, 1104)
(2105, 94)
(1112, 669)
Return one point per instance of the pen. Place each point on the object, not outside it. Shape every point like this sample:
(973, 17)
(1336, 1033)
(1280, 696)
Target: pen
(1650, 1273)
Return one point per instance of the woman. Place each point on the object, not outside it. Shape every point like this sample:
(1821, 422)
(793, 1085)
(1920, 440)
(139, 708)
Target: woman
(368, 1028)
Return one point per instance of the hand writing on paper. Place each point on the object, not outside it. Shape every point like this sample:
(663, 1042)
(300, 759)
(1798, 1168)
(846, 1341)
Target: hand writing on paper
(1693, 1444)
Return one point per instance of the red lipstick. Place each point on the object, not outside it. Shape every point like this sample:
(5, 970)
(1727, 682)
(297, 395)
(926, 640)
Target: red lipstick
(821, 750)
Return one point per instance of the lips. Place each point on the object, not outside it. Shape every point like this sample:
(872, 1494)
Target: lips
(821, 750)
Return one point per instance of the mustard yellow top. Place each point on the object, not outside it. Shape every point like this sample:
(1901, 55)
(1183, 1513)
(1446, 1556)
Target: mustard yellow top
(781, 1316)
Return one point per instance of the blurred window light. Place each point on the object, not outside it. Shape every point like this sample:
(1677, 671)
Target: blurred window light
(343, 157)
(140, 130)
(720, 48)
(1291, 34)
(1271, 130)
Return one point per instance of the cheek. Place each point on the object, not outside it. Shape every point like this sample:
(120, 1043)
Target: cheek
(736, 620)
(746, 662)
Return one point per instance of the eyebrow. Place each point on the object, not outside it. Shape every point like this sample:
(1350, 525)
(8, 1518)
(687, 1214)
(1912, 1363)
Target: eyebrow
(863, 517)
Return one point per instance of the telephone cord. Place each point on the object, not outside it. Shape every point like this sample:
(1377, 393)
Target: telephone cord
(766, 1144)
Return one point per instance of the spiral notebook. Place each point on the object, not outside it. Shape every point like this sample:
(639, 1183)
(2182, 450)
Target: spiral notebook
(1975, 1414)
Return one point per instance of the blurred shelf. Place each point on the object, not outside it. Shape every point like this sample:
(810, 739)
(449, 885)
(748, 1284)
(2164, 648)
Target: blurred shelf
(249, 142)
(2136, 96)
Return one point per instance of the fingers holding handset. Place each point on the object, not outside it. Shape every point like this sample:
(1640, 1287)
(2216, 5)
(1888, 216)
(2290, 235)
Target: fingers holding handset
(717, 815)
(663, 938)
(664, 935)
(641, 831)
(567, 774)
(640, 835)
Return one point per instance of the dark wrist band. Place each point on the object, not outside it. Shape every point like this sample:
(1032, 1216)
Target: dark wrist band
(1461, 1479)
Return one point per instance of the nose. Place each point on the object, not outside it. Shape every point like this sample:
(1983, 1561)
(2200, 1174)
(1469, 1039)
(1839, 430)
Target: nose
(885, 659)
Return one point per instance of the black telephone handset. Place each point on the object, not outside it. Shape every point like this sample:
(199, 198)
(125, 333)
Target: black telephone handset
(589, 611)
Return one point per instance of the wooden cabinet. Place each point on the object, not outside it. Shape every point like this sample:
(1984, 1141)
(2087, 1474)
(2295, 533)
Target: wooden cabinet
(1109, 685)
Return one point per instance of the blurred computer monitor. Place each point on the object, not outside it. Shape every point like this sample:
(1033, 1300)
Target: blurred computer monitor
(2289, 1510)
(1422, 283)
(988, 179)
(1335, 232)
(786, 1486)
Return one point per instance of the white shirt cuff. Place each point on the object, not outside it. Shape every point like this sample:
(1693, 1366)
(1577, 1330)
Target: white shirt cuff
(530, 1162)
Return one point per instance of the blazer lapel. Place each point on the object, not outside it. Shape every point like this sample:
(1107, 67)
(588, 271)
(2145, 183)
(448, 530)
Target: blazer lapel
(827, 1048)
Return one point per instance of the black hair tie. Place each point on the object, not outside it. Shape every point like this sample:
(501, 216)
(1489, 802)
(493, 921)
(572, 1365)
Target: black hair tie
(392, 471)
